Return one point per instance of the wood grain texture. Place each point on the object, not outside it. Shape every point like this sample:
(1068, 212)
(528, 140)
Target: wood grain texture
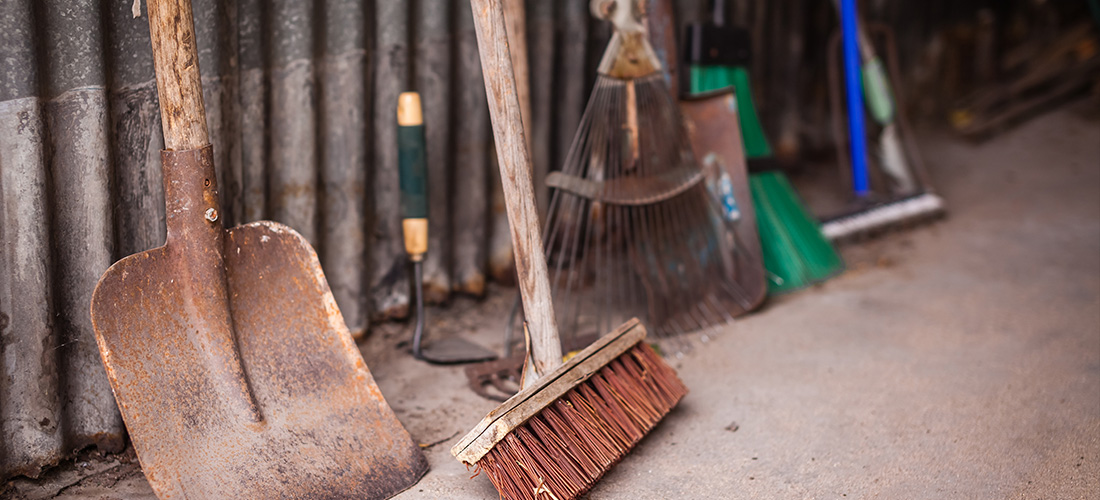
(516, 175)
(176, 59)
(552, 386)
(516, 19)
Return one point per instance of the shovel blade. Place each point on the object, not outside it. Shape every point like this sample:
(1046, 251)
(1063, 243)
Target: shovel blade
(302, 416)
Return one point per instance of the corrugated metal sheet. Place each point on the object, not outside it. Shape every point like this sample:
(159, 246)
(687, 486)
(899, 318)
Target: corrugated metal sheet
(300, 100)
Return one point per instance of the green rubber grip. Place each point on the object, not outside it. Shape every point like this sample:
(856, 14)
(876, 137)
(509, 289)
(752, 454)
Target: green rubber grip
(413, 170)
(877, 91)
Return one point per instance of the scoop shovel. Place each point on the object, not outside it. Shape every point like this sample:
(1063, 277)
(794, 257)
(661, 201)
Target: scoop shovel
(232, 366)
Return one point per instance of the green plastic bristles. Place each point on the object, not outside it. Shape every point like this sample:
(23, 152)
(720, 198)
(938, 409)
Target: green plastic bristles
(796, 254)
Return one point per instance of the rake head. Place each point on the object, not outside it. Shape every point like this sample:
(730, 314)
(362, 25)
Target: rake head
(632, 228)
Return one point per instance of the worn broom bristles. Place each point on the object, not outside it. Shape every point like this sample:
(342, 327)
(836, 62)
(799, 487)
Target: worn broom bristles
(562, 451)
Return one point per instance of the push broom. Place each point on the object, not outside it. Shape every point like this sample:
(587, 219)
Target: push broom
(912, 199)
(571, 421)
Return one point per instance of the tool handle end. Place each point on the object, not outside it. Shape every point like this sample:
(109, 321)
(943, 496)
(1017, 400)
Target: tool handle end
(409, 112)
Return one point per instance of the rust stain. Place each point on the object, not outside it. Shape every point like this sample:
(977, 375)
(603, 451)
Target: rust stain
(233, 368)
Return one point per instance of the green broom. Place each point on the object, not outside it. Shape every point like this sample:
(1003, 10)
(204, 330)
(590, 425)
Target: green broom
(796, 254)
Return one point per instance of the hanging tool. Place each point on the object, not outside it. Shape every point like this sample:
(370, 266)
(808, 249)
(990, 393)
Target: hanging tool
(232, 366)
(571, 421)
(910, 197)
(796, 254)
(413, 174)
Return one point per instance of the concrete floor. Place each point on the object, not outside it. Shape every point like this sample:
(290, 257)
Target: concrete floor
(960, 360)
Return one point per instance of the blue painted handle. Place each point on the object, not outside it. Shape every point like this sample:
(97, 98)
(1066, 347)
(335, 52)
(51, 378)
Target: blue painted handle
(854, 89)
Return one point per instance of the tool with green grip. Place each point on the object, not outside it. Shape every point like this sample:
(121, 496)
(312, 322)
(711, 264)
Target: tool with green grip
(413, 171)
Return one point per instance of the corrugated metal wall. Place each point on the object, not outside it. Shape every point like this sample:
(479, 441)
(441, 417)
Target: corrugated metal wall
(300, 99)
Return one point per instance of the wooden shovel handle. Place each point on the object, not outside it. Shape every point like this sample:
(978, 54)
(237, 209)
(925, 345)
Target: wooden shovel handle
(176, 59)
(516, 176)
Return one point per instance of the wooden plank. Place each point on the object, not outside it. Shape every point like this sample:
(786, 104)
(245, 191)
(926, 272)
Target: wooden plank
(531, 400)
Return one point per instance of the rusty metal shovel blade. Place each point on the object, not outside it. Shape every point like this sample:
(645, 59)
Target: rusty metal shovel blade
(232, 366)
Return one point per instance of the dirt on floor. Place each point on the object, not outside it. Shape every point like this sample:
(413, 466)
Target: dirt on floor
(955, 360)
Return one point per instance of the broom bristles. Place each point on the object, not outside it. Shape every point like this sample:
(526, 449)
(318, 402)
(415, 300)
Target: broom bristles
(562, 451)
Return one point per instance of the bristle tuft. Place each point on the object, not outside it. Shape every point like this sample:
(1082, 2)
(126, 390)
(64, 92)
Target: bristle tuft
(561, 452)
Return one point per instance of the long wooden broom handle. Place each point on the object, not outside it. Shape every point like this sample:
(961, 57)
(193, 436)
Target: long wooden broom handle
(176, 59)
(519, 193)
(515, 15)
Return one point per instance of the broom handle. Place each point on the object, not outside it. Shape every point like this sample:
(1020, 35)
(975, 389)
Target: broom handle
(516, 19)
(176, 58)
(544, 347)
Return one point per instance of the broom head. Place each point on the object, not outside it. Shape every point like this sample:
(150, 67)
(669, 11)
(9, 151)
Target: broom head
(555, 439)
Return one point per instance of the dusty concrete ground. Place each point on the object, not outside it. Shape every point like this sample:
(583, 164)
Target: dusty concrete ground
(960, 360)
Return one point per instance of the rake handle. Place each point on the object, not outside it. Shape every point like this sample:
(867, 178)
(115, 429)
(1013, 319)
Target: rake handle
(176, 59)
(544, 351)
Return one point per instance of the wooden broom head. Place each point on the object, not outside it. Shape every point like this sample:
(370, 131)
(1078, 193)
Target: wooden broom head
(561, 435)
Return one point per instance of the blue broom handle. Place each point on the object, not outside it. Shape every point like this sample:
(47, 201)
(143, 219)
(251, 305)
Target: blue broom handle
(854, 90)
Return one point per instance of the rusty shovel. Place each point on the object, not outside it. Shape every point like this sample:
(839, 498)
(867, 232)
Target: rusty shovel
(232, 366)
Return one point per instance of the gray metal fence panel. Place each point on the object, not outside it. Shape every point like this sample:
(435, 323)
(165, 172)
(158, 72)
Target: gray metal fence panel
(300, 101)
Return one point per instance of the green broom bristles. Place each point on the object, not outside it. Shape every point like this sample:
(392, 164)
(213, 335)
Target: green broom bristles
(796, 254)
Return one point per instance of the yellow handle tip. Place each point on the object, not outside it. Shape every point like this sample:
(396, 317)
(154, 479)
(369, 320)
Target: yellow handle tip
(416, 237)
(408, 110)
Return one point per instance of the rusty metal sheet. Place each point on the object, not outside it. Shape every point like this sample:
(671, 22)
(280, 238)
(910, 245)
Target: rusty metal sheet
(253, 107)
(292, 186)
(389, 284)
(30, 399)
(714, 129)
(77, 125)
(540, 36)
(472, 160)
(342, 87)
(572, 92)
(216, 34)
(433, 70)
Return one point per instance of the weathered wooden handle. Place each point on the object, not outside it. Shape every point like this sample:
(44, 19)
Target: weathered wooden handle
(176, 59)
(519, 192)
(515, 15)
